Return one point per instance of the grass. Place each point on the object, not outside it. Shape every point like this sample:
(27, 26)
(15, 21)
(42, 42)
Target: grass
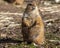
(48, 44)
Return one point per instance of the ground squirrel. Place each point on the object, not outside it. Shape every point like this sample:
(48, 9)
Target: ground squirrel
(32, 25)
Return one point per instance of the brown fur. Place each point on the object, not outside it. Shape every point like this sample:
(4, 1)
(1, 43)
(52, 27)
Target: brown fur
(32, 24)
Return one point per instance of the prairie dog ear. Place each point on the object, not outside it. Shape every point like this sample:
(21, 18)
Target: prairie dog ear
(33, 2)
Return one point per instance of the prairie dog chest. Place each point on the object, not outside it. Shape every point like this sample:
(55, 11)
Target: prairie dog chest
(32, 14)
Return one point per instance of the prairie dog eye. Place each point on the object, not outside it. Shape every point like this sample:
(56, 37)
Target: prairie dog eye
(31, 6)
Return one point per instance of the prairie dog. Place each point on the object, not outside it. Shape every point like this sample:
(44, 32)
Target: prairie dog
(32, 25)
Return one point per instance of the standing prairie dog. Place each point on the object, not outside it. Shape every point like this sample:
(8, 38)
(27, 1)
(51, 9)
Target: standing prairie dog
(32, 25)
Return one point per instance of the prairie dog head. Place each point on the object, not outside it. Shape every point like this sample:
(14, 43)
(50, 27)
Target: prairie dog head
(31, 6)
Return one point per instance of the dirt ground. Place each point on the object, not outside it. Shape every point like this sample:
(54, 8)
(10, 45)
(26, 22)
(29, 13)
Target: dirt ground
(50, 15)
